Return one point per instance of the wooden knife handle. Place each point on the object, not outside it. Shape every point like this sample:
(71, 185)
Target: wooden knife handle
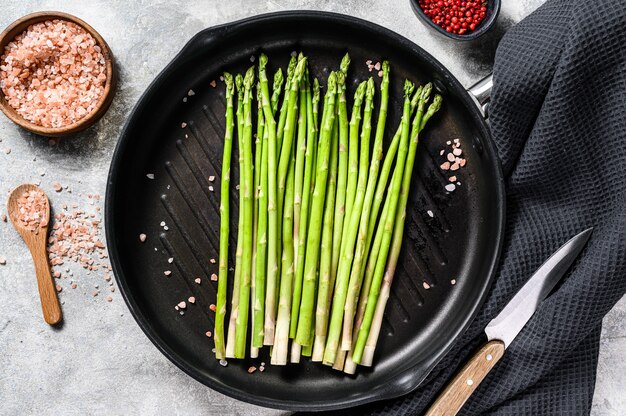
(452, 399)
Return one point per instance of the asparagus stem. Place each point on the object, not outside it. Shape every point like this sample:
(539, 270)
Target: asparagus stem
(247, 184)
(281, 343)
(345, 262)
(398, 231)
(342, 175)
(325, 284)
(353, 157)
(316, 102)
(272, 237)
(222, 285)
(400, 183)
(234, 308)
(308, 350)
(258, 157)
(300, 165)
(282, 119)
(303, 333)
(260, 264)
(301, 223)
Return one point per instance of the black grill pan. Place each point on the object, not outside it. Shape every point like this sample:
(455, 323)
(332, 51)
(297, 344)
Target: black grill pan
(461, 241)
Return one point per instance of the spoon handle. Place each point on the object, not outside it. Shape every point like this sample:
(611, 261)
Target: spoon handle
(47, 291)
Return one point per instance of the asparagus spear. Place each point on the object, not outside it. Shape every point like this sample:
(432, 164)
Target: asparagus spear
(312, 100)
(345, 262)
(272, 254)
(234, 307)
(281, 342)
(222, 285)
(300, 164)
(247, 184)
(303, 333)
(325, 282)
(353, 157)
(394, 254)
(258, 157)
(400, 184)
(342, 175)
(261, 242)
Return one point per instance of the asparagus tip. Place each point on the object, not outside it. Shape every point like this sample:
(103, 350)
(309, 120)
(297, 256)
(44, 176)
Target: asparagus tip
(341, 79)
(291, 68)
(262, 62)
(278, 77)
(370, 87)
(426, 92)
(408, 88)
(331, 83)
(386, 68)
(239, 82)
(316, 90)
(228, 79)
(345, 63)
(436, 104)
(249, 79)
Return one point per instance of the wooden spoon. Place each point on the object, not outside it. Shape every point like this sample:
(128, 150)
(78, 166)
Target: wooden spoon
(36, 243)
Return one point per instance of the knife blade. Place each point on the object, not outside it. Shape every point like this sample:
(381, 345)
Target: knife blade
(503, 329)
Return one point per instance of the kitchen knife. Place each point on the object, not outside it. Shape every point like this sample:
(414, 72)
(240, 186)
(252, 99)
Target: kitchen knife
(503, 329)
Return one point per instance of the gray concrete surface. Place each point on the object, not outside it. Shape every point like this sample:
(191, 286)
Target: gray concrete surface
(100, 362)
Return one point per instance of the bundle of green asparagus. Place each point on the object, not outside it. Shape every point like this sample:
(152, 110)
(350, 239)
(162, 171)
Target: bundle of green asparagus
(315, 255)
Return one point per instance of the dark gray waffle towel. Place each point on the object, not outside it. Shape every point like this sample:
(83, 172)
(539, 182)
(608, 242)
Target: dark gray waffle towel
(558, 117)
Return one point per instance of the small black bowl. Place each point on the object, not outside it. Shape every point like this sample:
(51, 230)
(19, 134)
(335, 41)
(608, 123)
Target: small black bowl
(493, 9)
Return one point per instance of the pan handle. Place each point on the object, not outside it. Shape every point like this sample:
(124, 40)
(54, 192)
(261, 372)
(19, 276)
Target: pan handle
(481, 93)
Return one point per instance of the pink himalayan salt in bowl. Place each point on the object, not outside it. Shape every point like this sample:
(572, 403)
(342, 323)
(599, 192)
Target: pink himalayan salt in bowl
(56, 74)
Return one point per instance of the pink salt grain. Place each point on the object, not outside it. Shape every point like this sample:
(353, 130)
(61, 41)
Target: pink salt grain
(198, 280)
(212, 307)
(32, 207)
(53, 74)
(191, 299)
(214, 277)
(142, 237)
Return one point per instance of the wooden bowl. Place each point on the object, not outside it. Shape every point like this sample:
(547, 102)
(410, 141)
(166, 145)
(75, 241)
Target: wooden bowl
(20, 26)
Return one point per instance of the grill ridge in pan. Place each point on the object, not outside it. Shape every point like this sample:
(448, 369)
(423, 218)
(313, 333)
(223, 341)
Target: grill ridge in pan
(461, 242)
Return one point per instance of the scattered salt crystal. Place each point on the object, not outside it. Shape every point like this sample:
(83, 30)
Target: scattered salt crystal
(150, 175)
(73, 285)
(214, 277)
(182, 304)
(212, 307)
(453, 282)
(426, 285)
(380, 74)
(142, 237)
(95, 293)
(59, 288)
(448, 142)
(445, 166)
(457, 152)
(368, 62)
(213, 84)
(221, 78)
(457, 141)
(191, 93)
(262, 368)
(109, 298)
(184, 99)
(3, 217)
(162, 224)
(450, 157)
(170, 260)
(211, 188)
(377, 66)
(191, 299)
(166, 228)
(208, 334)
(441, 152)
(455, 166)
(212, 261)
(211, 178)
(176, 307)
(251, 370)
(462, 162)
(167, 272)
(251, 58)
(57, 186)
(430, 214)
(452, 178)
(450, 187)
(198, 280)
(183, 125)
(223, 363)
